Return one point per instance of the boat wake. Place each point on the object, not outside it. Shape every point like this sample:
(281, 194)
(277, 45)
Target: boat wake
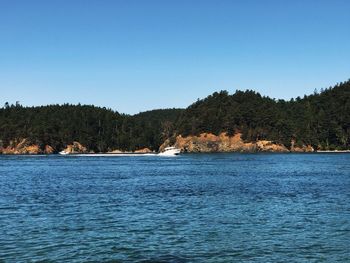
(168, 152)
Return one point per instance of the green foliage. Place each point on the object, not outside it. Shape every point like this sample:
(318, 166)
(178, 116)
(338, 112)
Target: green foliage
(58, 126)
(321, 119)
(147, 129)
(99, 129)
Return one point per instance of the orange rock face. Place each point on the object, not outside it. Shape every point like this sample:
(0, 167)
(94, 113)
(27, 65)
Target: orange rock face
(76, 147)
(268, 146)
(116, 151)
(48, 149)
(21, 146)
(32, 149)
(207, 142)
(24, 146)
(304, 148)
(144, 150)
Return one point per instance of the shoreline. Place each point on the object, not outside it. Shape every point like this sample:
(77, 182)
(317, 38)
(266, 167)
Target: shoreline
(157, 154)
(335, 151)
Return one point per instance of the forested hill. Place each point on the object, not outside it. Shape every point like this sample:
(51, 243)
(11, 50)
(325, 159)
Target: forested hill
(146, 129)
(99, 129)
(321, 120)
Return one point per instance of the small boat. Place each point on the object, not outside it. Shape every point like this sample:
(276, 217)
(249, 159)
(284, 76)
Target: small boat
(170, 151)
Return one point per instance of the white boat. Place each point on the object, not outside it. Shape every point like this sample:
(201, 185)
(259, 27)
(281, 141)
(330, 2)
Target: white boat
(170, 151)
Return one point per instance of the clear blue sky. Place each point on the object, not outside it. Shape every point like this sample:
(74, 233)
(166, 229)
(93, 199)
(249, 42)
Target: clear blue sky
(139, 55)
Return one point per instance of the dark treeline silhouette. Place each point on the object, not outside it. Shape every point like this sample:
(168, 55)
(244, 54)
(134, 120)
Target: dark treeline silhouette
(321, 120)
(99, 129)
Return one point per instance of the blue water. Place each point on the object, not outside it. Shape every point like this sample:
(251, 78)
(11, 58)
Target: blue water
(191, 208)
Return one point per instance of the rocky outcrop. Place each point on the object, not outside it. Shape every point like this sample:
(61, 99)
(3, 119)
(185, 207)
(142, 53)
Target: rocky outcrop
(207, 142)
(268, 146)
(115, 151)
(76, 147)
(143, 150)
(301, 149)
(48, 149)
(24, 146)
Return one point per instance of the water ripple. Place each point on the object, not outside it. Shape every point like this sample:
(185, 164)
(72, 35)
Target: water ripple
(195, 208)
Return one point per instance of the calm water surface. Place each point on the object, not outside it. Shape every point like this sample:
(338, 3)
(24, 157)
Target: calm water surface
(191, 208)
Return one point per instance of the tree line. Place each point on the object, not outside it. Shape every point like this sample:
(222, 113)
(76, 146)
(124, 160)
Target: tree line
(321, 120)
(99, 129)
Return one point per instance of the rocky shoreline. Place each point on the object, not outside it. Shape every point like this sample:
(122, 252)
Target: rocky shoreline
(203, 143)
(26, 147)
(207, 143)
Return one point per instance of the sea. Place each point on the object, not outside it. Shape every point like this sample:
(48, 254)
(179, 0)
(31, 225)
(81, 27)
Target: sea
(222, 207)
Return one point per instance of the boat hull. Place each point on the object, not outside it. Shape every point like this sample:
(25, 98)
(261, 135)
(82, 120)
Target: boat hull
(171, 152)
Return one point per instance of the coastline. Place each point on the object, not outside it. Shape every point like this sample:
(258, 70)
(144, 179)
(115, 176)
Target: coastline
(334, 151)
(157, 154)
(202, 143)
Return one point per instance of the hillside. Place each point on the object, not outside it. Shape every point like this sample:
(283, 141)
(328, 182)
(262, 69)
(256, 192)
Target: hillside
(321, 120)
(146, 129)
(98, 129)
